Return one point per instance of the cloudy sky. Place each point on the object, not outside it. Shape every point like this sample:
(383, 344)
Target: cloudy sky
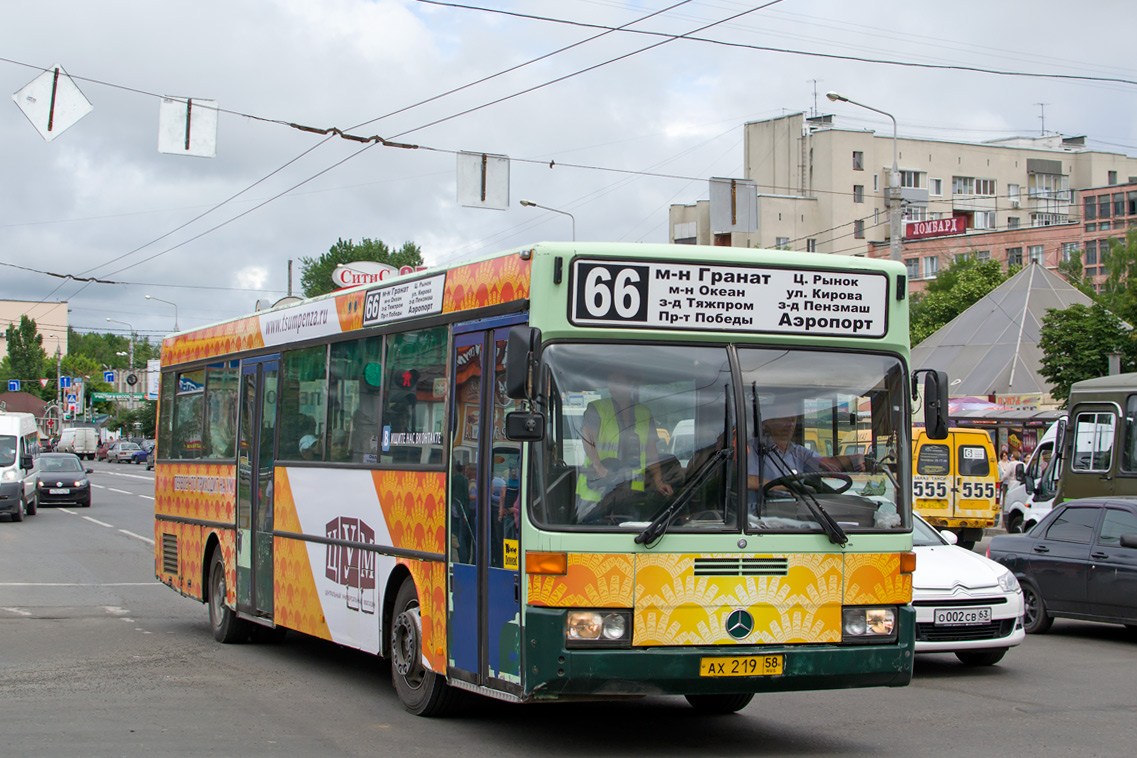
(634, 133)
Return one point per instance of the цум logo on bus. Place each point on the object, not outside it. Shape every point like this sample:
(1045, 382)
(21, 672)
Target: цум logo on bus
(351, 566)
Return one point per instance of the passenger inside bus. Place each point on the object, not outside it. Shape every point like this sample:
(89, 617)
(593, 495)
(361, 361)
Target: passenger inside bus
(619, 438)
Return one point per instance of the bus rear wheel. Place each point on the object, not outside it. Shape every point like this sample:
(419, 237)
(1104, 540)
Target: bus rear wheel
(720, 704)
(423, 692)
(223, 620)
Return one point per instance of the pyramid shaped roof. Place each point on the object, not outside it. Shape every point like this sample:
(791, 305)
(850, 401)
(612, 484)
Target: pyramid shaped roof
(992, 347)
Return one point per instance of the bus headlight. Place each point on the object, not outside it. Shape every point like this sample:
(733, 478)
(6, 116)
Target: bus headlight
(868, 624)
(10, 475)
(598, 628)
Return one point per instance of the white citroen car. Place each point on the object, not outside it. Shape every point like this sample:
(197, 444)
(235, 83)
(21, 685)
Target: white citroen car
(965, 603)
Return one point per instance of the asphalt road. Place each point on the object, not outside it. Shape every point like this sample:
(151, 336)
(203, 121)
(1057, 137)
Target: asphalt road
(98, 659)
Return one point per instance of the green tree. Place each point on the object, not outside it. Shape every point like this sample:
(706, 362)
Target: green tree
(26, 359)
(316, 274)
(104, 348)
(145, 415)
(1120, 260)
(954, 290)
(1075, 344)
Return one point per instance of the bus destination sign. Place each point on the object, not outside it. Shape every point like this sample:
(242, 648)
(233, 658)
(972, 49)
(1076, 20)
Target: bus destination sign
(421, 297)
(689, 296)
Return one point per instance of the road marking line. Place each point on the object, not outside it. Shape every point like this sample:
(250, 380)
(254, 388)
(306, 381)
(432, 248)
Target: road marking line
(64, 510)
(149, 478)
(17, 611)
(98, 485)
(147, 497)
(100, 523)
(121, 492)
(137, 536)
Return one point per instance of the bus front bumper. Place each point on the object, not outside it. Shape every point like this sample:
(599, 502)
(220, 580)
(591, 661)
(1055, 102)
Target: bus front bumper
(552, 670)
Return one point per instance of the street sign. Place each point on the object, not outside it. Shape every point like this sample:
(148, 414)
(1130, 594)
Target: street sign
(99, 396)
(131, 379)
(65, 381)
(13, 385)
(108, 377)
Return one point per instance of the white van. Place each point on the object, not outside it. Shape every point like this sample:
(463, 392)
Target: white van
(19, 464)
(1020, 510)
(81, 440)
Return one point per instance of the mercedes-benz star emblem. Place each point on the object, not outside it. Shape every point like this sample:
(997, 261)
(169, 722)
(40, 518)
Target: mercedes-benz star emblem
(739, 624)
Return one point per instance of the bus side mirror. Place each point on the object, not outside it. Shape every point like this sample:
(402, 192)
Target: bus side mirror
(935, 402)
(1028, 484)
(1020, 473)
(1060, 438)
(27, 462)
(524, 426)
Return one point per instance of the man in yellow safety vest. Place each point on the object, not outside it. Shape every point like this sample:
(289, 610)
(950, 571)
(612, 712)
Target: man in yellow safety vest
(620, 443)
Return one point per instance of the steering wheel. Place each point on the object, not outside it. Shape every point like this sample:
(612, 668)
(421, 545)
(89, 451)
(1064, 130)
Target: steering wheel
(813, 479)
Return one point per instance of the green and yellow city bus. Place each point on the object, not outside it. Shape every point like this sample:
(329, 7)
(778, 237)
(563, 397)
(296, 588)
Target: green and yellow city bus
(463, 469)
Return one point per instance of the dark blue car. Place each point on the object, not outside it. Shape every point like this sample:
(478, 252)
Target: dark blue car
(1079, 562)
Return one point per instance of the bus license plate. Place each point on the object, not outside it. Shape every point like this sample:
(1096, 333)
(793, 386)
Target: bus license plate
(961, 616)
(746, 665)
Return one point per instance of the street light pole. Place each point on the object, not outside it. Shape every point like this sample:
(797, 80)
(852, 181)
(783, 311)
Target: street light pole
(167, 302)
(530, 204)
(894, 210)
(129, 368)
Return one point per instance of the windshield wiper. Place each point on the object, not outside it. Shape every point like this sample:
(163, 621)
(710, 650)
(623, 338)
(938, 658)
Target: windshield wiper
(659, 524)
(798, 489)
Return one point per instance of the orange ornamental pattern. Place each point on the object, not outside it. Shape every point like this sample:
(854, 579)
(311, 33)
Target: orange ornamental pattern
(872, 578)
(594, 580)
(414, 506)
(191, 576)
(490, 282)
(296, 600)
(675, 607)
(430, 579)
(222, 339)
(205, 491)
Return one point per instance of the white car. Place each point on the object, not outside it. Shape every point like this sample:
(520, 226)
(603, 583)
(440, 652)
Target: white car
(965, 604)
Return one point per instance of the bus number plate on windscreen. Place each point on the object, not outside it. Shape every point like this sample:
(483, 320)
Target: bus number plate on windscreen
(744, 665)
(658, 295)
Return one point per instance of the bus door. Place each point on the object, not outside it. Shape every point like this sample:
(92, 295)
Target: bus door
(484, 513)
(256, 459)
(1090, 437)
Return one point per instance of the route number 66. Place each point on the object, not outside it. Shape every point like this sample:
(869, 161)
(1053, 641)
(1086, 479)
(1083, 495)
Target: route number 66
(611, 292)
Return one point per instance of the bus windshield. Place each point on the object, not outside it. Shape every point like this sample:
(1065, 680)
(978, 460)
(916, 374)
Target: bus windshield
(636, 431)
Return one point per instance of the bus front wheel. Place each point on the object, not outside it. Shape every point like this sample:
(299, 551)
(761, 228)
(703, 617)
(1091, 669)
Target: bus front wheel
(720, 704)
(423, 692)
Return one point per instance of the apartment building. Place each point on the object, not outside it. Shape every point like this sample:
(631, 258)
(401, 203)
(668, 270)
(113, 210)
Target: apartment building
(1099, 218)
(824, 189)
